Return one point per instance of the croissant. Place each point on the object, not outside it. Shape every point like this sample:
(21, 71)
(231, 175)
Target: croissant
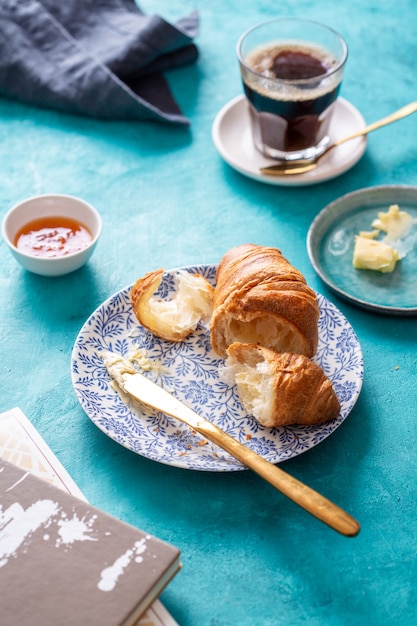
(279, 389)
(173, 319)
(261, 298)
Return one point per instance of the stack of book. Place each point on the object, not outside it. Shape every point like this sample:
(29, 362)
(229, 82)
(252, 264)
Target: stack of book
(63, 561)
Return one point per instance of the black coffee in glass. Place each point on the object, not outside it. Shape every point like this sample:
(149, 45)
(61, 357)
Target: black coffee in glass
(291, 86)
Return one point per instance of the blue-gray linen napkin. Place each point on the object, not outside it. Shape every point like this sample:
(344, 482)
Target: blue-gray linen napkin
(100, 58)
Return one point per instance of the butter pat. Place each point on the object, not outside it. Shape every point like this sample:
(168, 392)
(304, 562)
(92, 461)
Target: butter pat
(369, 254)
(395, 223)
(382, 254)
(369, 234)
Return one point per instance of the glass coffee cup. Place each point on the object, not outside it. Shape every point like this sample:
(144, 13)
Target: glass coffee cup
(291, 71)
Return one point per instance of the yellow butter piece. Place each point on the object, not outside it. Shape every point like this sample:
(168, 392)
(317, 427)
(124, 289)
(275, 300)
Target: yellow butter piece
(394, 223)
(369, 234)
(369, 254)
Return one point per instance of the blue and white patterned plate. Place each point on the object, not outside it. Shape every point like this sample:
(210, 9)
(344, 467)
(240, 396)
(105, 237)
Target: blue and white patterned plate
(190, 370)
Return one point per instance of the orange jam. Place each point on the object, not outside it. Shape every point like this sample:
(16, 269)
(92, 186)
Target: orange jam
(52, 237)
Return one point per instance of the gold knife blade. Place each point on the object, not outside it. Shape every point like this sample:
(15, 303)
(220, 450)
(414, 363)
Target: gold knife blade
(151, 394)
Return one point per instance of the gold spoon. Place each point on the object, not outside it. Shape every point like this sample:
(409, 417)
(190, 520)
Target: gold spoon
(300, 167)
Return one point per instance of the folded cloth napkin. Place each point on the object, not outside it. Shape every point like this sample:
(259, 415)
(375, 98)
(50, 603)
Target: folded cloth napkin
(101, 58)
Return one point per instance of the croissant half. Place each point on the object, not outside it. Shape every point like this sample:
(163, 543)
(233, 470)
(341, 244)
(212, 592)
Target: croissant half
(173, 319)
(279, 389)
(261, 298)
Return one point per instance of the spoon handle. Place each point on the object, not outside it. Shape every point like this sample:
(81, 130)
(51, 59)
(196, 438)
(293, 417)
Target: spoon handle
(300, 167)
(398, 115)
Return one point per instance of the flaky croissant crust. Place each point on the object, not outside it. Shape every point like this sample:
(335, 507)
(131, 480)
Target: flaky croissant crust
(257, 283)
(280, 389)
(175, 319)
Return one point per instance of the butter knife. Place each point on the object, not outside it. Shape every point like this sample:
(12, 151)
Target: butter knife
(146, 391)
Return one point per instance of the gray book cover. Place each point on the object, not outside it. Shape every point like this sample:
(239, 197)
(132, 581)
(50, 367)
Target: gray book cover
(63, 561)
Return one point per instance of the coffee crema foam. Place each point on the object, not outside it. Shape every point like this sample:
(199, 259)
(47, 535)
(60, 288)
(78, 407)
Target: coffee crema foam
(261, 61)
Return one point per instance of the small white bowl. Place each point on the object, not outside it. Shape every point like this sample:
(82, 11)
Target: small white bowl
(53, 205)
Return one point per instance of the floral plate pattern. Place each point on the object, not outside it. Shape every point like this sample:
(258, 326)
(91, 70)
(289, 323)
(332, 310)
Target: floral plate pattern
(190, 370)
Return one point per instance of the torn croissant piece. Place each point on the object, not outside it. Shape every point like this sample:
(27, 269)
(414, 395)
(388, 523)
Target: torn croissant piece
(261, 298)
(279, 389)
(173, 319)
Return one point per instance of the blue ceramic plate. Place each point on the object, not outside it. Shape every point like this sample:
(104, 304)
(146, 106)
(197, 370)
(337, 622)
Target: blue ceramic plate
(190, 370)
(330, 243)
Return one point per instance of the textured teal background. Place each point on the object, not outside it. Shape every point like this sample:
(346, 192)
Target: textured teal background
(250, 556)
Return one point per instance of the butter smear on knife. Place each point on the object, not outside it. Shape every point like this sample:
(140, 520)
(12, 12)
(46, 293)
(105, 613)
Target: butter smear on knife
(120, 369)
(117, 366)
(126, 365)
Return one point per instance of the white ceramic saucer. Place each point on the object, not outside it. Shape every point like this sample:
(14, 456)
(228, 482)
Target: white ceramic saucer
(232, 137)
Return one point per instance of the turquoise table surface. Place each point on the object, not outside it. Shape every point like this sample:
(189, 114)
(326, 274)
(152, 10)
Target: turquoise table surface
(250, 556)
